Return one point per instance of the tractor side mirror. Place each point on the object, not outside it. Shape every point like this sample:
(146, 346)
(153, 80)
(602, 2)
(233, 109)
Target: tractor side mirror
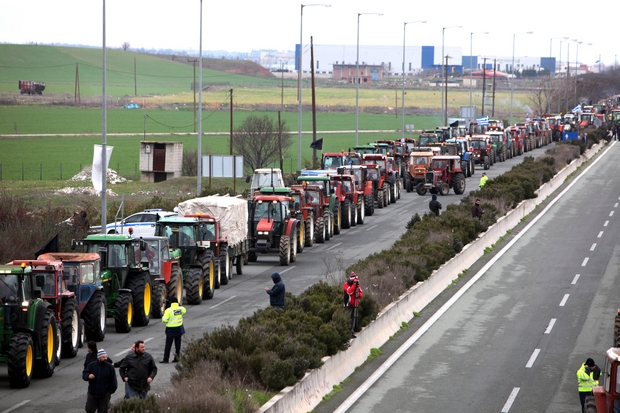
(248, 179)
(142, 244)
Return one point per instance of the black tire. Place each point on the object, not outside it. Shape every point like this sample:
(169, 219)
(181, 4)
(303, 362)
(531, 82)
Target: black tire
(337, 219)
(354, 212)
(361, 210)
(309, 230)
(123, 312)
(459, 184)
(487, 162)
(319, 230)
(369, 204)
(329, 225)
(465, 168)
(81, 333)
(444, 189)
(224, 265)
(408, 185)
(285, 250)
(208, 275)
(94, 316)
(301, 234)
(420, 189)
(392, 193)
(473, 166)
(193, 286)
(293, 238)
(239, 265)
(21, 360)
(217, 276)
(617, 332)
(48, 338)
(158, 305)
(70, 326)
(346, 214)
(252, 257)
(386, 195)
(141, 290)
(589, 406)
(175, 285)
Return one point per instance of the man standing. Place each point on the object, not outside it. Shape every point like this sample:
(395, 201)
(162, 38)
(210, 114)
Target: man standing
(476, 210)
(585, 381)
(434, 205)
(138, 370)
(483, 179)
(173, 317)
(353, 295)
(277, 292)
(102, 383)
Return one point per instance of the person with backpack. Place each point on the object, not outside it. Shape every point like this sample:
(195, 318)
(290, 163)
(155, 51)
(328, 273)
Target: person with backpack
(352, 295)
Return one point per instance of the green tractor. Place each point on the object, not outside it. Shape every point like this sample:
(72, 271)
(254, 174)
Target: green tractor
(29, 335)
(126, 285)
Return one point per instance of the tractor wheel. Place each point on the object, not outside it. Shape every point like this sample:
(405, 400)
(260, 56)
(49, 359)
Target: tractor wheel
(70, 326)
(319, 230)
(473, 167)
(408, 185)
(58, 354)
(459, 184)
(217, 274)
(392, 193)
(95, 317)
(309, 230)
(444, 189)
(301, 235)
(208, 274)
(361, 210)
(141, 290)
(48, 337)
(123, 313)
(617, 331)
(329, 225)
(399, 186)
(354, 212)
(465, 168)
(81, 335)
(379, 198)
(239, 265)
(589, 405)
(193, 286)
(293, 238)
(175, 285)
(224, 265)
(420, 189)
(369, 204)
(252, 256)
(386, 191)
(159, 299)
(504, 154)
(21, 360)
(337, 219)
(487, 162)
(346, 214)
(285, 250)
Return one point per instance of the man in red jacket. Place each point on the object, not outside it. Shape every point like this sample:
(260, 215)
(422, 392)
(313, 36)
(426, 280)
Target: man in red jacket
(353, 295)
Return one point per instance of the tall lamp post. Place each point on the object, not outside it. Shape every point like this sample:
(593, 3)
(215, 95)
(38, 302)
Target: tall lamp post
(559, 97)
(357, 78)
(403, 96)
(444, 111)
(513, 71)
(471, 69)
(300, 71)
(199, 163)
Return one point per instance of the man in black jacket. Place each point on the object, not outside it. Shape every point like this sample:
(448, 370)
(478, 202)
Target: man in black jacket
(434, 205)
(138, 370)
(101, 379)
(277, 292)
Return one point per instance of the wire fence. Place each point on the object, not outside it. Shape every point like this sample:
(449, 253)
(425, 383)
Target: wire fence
(56, 171)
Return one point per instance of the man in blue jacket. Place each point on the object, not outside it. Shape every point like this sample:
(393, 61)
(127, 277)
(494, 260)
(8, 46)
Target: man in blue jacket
(277, 292)
(101, 379)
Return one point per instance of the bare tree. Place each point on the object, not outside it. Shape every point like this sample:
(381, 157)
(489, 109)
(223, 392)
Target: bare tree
(125, 46)
(257, 139)
(540, 97)
(190, 160)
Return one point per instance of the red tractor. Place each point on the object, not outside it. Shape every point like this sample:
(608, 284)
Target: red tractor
(304, 212)
(334, 160)
(352, 202)
(380, 187)
(363, 185)
(315, 200)
(390, 174)
(606, 397)
(445, 173)
(480, 145)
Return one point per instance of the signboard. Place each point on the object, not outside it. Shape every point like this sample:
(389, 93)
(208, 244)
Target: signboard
(222, 166)
(569, 136)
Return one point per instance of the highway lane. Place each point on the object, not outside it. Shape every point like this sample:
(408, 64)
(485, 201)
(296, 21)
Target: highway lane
(65, 391)
(516, 337)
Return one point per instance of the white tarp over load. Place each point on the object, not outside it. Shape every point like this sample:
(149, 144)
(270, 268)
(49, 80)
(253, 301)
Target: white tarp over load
(232, 212)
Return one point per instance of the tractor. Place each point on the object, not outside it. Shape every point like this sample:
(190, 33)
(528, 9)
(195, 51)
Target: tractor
(331, 196)
(304, 212)
(380, 187)
(270, 177)
(334, 160)
(352, 202)
(318, 208)
(445, 173)
(29, 335)
(606, 396)
(498, 142)
(482, 149)
(363, 185)
(428, 138)
(390, 174)
(419, 161)
(460, 147)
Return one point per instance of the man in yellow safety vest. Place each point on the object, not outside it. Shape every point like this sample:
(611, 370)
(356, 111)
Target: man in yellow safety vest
(585, 380)
(173, 317)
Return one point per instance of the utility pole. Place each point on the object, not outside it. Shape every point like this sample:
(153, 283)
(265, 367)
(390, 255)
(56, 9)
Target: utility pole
(194, 89)
(445, 114)
(484, 82)
(313, 102)
(494, 77)
(76, 94)
(231, 121)
(135, 81)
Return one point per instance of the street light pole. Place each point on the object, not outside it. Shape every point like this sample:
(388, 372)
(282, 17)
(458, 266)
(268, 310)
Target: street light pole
(444, 111)
(513, 71)
(550, 57)
(357, 78)
(299, 75)
(199, 164)
(403, 96)
(471, 69)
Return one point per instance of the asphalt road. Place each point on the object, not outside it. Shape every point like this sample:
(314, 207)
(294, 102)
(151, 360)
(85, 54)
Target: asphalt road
(65, 392)
(542, 303)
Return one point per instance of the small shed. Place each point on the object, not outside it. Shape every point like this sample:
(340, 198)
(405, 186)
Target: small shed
(160, 161)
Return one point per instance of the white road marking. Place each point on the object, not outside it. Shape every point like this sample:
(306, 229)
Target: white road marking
(550, 326)
(616, 205)
(288, 269)
(374, 226)
(575, 279)
(585, 261)
(532, 359)
(511, 399)
(606, 223)
(228, 299)
(10, 409)
(334, 246)
(593, 246)
(600, 234)
(124, 352)
(564, 300)
(402, 212)
(611, 214)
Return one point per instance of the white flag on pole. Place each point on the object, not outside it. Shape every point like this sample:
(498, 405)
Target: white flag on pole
(97, 169)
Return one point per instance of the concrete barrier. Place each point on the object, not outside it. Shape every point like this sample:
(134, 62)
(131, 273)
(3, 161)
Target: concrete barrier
(309, 391)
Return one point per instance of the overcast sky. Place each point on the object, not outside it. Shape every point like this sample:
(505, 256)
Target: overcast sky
(246, 25)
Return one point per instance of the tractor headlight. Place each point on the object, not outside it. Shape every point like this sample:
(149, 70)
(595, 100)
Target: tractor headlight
(25, 305)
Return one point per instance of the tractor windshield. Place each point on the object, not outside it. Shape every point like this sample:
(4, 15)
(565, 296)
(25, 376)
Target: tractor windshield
(49, 289)
(312, 197)
(207, 232)
(8, 288)
(478, 144)
(269, 210)
(421, 160)
(438, 164)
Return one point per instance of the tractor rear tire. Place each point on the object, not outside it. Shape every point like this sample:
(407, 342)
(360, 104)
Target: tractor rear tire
(301, 234)
(589, 405)
(70, 326)
(380, 198)
(337, 219)
(346, 214)
(175, 285)
(354, 213)
(21, 360)
(392, 193)
(617, 331)
(285, 250)
(408, 185)
(293, 238)
(123, 313)
(252, 256)
(465, 168)
(361, 210)
(329, 224)
(224, 265)
(369, 205)
(94, 315)
(218, 273)
(239, 265)
(444, 189)
(141, 290)
(48, 337)
(487, 162)
(399, 188)
(459, 184)
(159, 299)
(193, 286)
(208, 274)
(420, 189)
(309, 230)
(319, 230)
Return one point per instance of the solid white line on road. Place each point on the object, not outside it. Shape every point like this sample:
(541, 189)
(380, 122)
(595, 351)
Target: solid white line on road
(10, 409)
(575, 279)
(444, 308)
(600, 234)
(593, 246)
(564, 300)
(511, 399)
(616, 205)
(403, 212)
(219, 304)
(532, 359)
(288, 269)
(122, 353)
(550, 326)
(585, 261)
(334, 246)
(611, 214)
(606, 223)
(374, 226)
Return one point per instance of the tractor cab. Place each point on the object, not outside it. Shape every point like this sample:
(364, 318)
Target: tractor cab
(336, 160)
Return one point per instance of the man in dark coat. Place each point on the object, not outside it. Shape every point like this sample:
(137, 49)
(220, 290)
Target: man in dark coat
(138, 370)
(434, 205)
(92, 354)
(101, 379)
(476, 210)
(277, 292)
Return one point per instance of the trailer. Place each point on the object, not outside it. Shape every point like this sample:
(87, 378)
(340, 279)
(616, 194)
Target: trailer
(31, 88)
